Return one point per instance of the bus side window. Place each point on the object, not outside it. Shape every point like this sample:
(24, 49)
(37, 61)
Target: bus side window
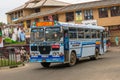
(93, 32)
(80, 33)
(73, 33)
(87, 33)
(98, 34)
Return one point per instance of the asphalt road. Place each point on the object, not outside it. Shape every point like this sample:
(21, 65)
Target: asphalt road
(106, 68)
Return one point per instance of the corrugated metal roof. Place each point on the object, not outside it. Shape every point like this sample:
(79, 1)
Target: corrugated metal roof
(18, 8)
(50, 3)
(90, 5)
(30, 5)
(39, 3)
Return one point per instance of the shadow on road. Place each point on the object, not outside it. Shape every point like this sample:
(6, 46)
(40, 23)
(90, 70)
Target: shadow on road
(58, 66)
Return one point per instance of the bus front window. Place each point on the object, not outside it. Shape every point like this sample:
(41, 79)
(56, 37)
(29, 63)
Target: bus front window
(52, 34)
(37, 34)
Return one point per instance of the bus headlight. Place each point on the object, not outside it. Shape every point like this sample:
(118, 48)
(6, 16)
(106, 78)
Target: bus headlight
(55, 53)
(34, 54)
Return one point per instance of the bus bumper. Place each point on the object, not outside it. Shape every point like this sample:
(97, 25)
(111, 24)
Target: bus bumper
(47, 59)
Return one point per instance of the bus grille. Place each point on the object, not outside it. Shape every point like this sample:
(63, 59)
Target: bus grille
(44, 49)
(33, 48)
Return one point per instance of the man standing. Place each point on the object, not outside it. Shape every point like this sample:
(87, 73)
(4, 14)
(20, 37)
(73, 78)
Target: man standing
(22, 36)
(117, 41)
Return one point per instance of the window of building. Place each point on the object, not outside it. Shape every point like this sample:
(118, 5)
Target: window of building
(28, 23)
(45, 18)
(37, 19)
(12, 16)
(18, 13)
(21, 13)
(15, 14)
(55, 17)
(37, 10)
(88, 14)
(69, 16)
(103, 12)
(115, 11)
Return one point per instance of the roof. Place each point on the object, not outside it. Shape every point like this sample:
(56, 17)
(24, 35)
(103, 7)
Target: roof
(74, 7)
(90, 5)
(31, 1)
(39, 3)
(18, 8)
(50, 3)
(35, 15)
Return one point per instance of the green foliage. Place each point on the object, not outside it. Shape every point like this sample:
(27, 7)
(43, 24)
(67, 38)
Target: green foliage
(10, 41)
(6, 62)
(1, 23)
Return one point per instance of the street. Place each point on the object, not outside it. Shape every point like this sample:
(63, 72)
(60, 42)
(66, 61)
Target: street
(105, 68)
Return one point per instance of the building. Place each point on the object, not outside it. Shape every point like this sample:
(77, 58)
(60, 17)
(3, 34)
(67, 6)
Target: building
(103, 13)
(33, 7)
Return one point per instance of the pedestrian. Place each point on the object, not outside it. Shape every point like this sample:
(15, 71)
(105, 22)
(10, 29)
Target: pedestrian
(23, 54)
(117, 41)
(22, 36)
(108, 43)
(14, 37)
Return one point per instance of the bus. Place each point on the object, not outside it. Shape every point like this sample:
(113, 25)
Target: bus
(61, 42)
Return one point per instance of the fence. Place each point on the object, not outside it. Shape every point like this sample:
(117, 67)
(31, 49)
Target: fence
(9, 57)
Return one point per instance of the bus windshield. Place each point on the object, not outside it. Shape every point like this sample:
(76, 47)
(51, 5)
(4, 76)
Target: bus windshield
(52, 34)
(37, 34)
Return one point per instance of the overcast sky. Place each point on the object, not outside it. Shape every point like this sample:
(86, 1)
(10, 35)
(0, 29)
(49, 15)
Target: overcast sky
(7, 5)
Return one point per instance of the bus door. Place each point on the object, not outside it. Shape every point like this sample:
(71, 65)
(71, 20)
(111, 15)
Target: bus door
(66, 45)
(102, 43)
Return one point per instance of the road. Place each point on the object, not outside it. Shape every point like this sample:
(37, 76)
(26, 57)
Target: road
(106, 68)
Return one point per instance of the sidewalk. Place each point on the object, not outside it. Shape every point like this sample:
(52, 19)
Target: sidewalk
(9, 67)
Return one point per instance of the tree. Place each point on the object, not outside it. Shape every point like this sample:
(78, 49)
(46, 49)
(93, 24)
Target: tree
(1, 23)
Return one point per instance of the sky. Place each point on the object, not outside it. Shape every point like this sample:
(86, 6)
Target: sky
(7, 5)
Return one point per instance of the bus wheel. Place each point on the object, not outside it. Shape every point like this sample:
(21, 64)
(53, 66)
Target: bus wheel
(45, 64)
(96, 54)
(72, 59)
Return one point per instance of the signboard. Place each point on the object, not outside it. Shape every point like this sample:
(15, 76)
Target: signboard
(45, 24)
(79, 16)
(90, 22)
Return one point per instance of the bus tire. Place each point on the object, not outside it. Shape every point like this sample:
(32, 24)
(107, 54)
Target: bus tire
(45, 64)
(73, 59)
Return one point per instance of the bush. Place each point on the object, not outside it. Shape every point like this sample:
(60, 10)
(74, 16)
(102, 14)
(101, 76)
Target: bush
(9, 41)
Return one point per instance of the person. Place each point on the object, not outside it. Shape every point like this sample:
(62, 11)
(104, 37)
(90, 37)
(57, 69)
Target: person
(23, 54)
(108, 43)
(22, 36)
(117, 41)
(18, 34)
(14, 37)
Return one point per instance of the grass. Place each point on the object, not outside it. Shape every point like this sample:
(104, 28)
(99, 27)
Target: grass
(6, 62)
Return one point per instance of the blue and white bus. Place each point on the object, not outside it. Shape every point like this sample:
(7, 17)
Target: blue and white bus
(66, 42)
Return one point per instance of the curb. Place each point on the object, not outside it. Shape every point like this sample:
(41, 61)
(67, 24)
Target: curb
(10, 67)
